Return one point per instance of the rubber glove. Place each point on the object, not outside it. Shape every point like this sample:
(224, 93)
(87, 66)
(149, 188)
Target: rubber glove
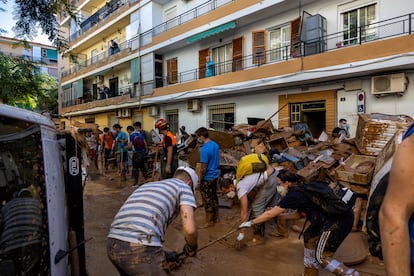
(246, 224)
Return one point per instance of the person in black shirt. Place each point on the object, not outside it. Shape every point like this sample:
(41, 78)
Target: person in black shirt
(323, 236)
(342, 130)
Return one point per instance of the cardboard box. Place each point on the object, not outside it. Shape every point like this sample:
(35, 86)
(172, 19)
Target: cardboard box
(356, 169)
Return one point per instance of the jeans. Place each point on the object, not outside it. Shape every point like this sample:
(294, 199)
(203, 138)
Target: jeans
(135, 259)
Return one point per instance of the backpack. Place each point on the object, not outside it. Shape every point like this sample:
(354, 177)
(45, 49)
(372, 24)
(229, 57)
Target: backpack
(251, 163)
(139, 142)
(332, 198)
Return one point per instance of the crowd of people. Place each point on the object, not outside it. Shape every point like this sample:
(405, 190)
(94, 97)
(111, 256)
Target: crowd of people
(137, 234)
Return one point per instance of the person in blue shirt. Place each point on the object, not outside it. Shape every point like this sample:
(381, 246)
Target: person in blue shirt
(210, 67)
(396, 216)
(210, 173)
(121, 145)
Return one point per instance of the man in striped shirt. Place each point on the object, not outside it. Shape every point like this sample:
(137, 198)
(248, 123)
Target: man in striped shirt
(137, 234)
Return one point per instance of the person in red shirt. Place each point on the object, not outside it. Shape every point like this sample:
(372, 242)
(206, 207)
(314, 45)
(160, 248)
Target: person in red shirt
(107, 144)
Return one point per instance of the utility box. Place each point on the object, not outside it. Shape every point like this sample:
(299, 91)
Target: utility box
(314, 34)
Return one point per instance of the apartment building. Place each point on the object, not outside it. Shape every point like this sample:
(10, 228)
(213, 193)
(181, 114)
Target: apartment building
(45, 56)
(294, 61)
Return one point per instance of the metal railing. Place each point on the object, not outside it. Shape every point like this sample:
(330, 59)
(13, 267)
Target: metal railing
(146, 37)
(98, 16)
(393, 27)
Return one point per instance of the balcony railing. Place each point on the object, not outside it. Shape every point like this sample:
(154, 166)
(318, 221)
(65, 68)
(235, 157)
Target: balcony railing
(144, 38)
(99, 16)
(389, 28)
(394, 27)
(81, 64)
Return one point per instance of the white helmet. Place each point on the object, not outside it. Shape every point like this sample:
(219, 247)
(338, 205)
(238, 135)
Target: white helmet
(192, 174)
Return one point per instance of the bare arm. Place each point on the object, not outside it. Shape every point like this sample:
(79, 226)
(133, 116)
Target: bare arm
(189, 225)
(203, 170)
(288, 216)
(274, 212)
(244, 203)
(169, 155)
(396, 209)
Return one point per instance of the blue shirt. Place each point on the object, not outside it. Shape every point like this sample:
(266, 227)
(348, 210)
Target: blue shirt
(119, 138)
(210, 155)
(132, 139)
(210, 69)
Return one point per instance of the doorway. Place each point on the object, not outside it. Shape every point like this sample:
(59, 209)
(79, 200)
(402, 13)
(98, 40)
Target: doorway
(113, 86)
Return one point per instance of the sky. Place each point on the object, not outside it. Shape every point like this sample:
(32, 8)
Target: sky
(7, 23)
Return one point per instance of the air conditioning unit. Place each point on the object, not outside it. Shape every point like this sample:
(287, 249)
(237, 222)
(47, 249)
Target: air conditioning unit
(194, 105)
(394, 83)
(99, 79)
(153, 111)
(123, 112)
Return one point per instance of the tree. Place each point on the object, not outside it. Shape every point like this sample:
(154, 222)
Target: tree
(23, 84)
(41, 14)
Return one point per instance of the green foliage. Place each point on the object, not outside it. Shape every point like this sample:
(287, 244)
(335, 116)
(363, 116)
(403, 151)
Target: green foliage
(23, 84)
(41, 14)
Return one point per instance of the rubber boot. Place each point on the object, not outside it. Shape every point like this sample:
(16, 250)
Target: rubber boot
(216, 217)
(209, 221)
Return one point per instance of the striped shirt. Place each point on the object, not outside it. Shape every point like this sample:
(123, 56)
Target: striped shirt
(149, 210)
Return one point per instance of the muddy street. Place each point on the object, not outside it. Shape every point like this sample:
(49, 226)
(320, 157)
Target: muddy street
(103, 196)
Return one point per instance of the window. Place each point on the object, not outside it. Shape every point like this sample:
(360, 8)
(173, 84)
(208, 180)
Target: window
(170, 17)
(357, 25)
(222, 57)
(294, 113)
(172, 118)
(172, 71)
(221, 116)
(94, 56)
(279, 42)
(259, 47)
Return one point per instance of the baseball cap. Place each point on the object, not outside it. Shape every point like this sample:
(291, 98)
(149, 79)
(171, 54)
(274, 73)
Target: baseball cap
(193, 175)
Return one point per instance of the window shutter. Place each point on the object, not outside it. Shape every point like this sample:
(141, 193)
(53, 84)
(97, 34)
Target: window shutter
(237, 63)
(172, 71)
(202, 54)
(259, 47)
(295, 27)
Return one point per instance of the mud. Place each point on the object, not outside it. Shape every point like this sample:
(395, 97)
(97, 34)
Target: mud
(103, 196)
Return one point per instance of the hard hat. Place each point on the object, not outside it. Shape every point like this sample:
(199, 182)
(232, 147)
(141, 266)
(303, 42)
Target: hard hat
(193, 175)
(162, 124)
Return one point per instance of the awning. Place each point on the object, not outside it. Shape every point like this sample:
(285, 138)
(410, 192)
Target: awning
(213, 31)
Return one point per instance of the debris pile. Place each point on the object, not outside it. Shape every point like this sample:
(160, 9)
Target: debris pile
(352, 162)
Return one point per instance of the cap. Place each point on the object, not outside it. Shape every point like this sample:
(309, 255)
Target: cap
(117, 126)
(192, 174)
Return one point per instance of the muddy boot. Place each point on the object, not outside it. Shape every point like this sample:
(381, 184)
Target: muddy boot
(310, 271)
(281, 232)
(257, 240)
(209, 221)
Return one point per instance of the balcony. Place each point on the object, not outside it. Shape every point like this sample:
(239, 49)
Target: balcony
(144, 38)
(106, 12)
(394, 27)
(379, 31)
